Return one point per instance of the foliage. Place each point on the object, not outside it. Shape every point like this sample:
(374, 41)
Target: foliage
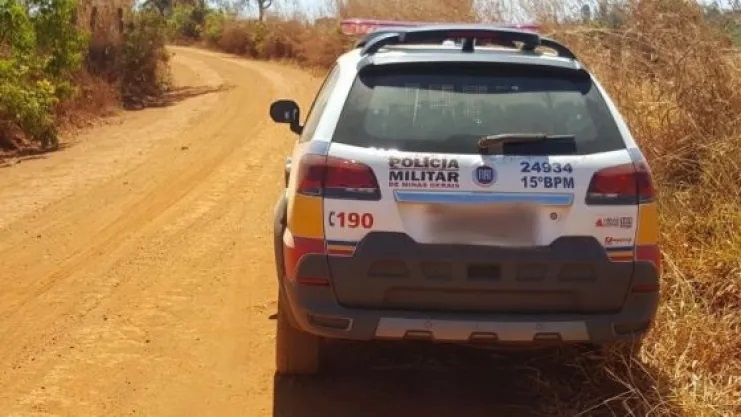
(214, 27)
(41, 72)
(16, 28)
(44, 49)
(262, 7)
(187, 21)
(57, 37)
(163, 7)
(726, 20)
(27, 101)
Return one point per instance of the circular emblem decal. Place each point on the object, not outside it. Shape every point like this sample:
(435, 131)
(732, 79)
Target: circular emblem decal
(484, 176)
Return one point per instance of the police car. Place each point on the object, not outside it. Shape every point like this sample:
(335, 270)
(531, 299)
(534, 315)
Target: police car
(466, 184)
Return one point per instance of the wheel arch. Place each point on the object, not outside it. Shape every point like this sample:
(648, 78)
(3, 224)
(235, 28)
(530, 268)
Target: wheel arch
(279, 226)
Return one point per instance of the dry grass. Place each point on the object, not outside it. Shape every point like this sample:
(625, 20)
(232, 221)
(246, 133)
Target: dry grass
(97, 94)
(95, 98)
(680, 90)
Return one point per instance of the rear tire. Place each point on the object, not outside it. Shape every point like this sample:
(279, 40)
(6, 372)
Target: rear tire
(296, 352)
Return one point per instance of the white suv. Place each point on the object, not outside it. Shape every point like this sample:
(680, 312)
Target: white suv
(464, 184)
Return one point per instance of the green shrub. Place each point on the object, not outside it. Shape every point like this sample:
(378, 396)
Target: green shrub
(27, 101)
(43, 50)
(214, 27)
(57, 38)
(187, 22)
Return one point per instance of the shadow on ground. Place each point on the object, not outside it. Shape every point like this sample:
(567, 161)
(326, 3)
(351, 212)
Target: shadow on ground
(390, 380)
(19, 156)
(176, 95)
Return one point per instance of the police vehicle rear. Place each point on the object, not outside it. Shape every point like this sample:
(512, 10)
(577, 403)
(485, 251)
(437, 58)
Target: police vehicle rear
(464, 184)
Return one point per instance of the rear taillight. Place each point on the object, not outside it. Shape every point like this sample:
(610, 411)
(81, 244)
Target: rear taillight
(649, 253)
(332, 177)
(622, 184)
(294, 254)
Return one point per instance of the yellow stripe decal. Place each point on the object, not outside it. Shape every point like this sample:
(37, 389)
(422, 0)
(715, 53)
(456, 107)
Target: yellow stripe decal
(335, 247)
(305, 217)
(621, 254)
(648, 225)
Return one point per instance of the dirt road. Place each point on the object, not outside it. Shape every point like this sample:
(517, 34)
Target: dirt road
(136, 273)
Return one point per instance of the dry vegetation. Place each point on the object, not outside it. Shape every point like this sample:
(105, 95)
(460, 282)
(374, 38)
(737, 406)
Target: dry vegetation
(64, 66)
(678, 84)
(125, 63)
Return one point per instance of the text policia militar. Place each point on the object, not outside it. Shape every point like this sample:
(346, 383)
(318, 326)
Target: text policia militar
(423, 172)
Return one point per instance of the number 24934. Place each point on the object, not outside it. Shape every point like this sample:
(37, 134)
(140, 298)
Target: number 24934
(545, 167)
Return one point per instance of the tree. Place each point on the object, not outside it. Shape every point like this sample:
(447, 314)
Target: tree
(164, 7)
(236, 6)
(586, 13)
(611, 13)
(262, 7)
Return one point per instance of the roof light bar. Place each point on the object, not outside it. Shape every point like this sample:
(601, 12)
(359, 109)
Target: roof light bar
(366, 26)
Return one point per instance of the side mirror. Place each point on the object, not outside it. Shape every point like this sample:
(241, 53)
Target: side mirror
(287, 111)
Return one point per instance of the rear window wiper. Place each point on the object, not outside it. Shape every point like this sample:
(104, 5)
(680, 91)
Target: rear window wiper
(488, 142)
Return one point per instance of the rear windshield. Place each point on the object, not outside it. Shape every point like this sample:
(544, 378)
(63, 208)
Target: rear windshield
(446, 108)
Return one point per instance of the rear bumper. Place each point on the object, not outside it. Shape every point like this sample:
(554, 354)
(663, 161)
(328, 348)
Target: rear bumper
(316, 311)
(391, 271)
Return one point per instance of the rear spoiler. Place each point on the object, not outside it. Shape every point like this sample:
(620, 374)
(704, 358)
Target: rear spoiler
(380, 33)
(395, 33)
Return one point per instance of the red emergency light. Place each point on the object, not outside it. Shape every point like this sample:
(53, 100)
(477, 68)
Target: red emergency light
(366, 26)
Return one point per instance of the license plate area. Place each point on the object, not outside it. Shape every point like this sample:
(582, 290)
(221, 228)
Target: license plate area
(504, 225)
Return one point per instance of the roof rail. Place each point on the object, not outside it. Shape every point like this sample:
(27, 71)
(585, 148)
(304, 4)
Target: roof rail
(469, 33)
(371, 28)
(560, 48)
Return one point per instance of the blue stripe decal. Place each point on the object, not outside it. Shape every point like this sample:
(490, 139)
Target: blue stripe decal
(317, 147)
(470, 197)
(635, 155)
